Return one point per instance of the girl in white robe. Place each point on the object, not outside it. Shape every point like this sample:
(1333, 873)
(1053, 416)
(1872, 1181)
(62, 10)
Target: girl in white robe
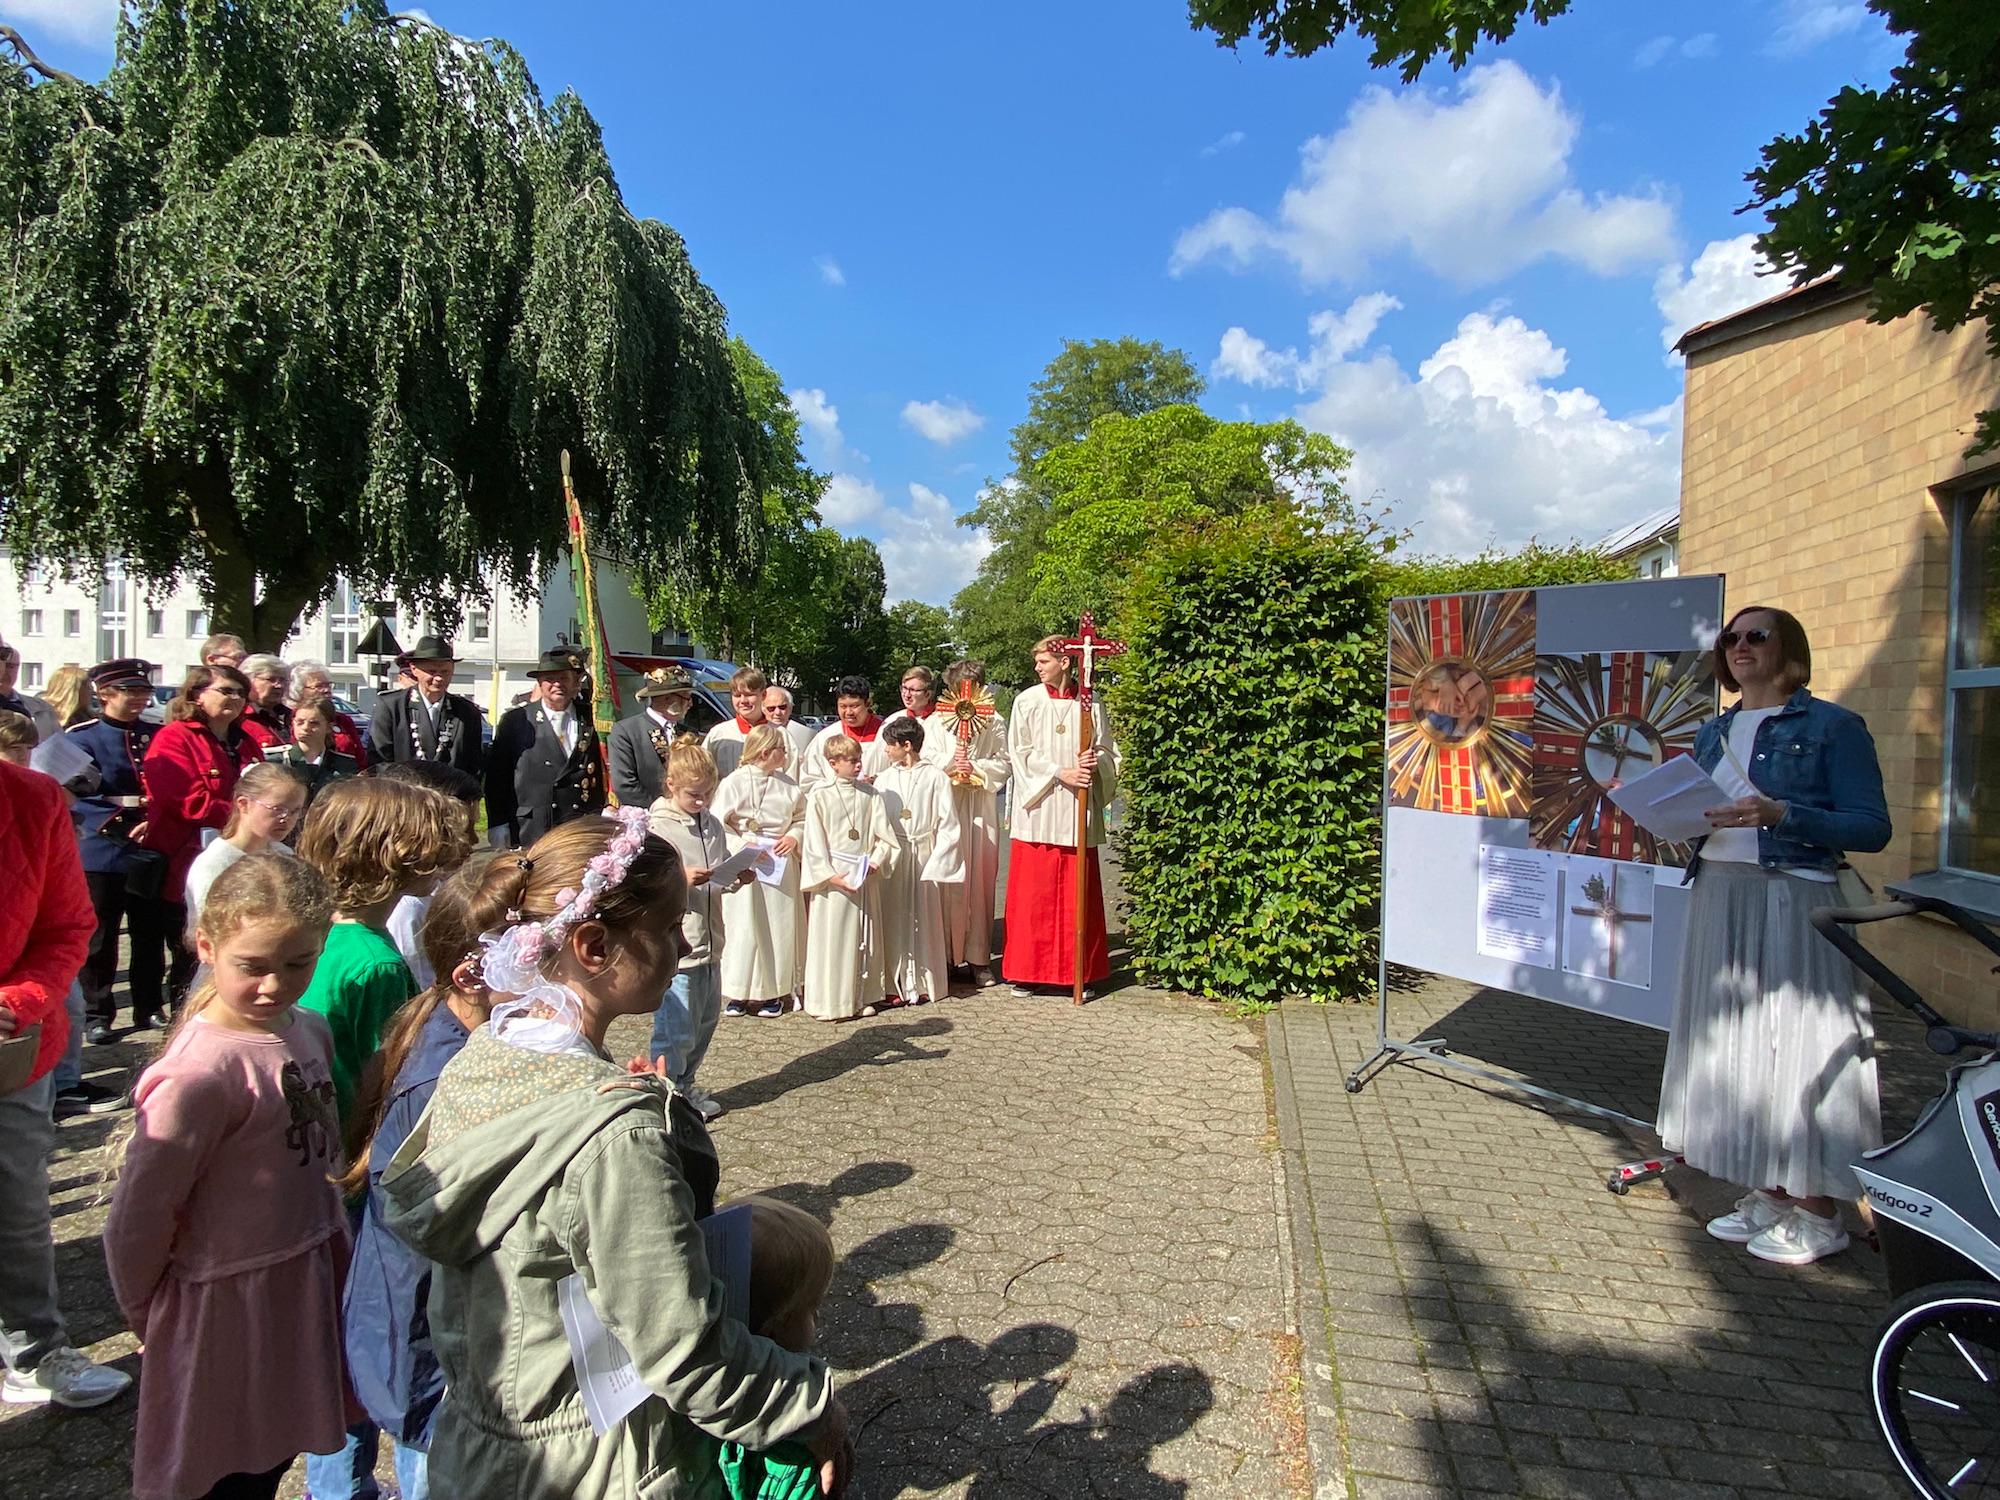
(845, 949)
(921, 810)
(762, 960)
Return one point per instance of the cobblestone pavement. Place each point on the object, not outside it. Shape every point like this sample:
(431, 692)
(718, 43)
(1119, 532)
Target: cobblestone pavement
(1059, 1229)
(1482, 1318)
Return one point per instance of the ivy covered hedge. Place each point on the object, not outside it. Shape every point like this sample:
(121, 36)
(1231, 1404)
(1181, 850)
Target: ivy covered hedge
(1249, 715)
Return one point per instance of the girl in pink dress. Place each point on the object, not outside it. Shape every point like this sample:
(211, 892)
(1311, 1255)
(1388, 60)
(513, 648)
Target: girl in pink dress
(227, 1242)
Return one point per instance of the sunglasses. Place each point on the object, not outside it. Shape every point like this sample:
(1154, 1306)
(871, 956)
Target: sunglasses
(1729, 638)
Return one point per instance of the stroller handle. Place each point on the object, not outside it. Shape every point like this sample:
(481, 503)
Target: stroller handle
(1836, 924)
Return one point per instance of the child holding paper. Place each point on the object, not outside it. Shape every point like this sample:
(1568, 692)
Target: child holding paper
(849, 850)
(685, 1021)
(760, 803)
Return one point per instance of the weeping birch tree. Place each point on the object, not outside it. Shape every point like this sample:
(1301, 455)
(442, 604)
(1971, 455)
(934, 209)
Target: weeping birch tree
(305, 288)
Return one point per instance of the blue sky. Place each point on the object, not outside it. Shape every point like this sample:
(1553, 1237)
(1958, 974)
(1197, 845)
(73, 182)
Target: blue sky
(1472, 282)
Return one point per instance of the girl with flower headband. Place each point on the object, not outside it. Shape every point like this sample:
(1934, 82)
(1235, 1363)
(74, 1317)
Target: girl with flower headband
(541, 1160)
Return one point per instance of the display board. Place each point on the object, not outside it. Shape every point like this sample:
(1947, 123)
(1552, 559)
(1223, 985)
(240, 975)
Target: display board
(1511, 715)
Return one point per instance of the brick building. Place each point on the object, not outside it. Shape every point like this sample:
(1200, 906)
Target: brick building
(1825, 472)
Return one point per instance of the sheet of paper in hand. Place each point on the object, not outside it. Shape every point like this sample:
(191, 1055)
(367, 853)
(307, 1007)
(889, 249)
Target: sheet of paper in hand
(605, 1375)
(854, 867)
(1669, 800)
(771, 870)
(726, 874)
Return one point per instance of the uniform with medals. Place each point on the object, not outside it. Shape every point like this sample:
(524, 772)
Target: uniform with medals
(543, 768)
(406, 727)
(639, 745)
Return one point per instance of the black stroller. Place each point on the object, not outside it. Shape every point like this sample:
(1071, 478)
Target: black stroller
(1935, 1377)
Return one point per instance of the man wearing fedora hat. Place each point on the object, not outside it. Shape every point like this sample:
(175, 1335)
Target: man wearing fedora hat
(640, 743)
(545, 766)
(427, 721)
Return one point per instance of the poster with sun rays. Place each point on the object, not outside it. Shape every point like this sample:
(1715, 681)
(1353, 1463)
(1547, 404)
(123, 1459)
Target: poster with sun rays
(1462, 703)
(1602, 718)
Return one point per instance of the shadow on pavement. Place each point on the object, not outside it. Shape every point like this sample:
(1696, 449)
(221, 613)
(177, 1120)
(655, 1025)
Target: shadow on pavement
(861, 1046)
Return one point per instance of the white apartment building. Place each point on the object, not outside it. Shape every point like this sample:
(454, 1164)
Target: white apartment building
(107, 614)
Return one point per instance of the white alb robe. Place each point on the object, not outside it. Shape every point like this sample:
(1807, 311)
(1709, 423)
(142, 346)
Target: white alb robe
(724, 743)
(765, 956)
(925, 818)
(814, 772)
(1042, 740)
(968, 906)
(845, 943)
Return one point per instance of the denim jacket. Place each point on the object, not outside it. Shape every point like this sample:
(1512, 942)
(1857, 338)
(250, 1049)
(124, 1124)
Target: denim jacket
(1819, 759)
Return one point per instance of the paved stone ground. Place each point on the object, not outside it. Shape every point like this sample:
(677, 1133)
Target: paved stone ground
(1060, 1237)
(1482, 1318)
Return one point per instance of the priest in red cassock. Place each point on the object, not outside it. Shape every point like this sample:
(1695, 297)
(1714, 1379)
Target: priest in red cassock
(1051, 779)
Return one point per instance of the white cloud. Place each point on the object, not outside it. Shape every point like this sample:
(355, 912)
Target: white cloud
(926, 554)
(848, 499)
(821, 420)
(1482, 444)
(1223, 143)
(1473, 185)
(89, 23)
(1334, 336)
(1665, 48)
(829, 271)
(942, 422)
(1805, 24)
(1728, 276)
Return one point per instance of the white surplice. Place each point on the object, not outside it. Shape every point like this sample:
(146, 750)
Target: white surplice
(968, 906)
(1042, 740)
(925, 818)
(845, 943)
(764, 956)
(814, 772)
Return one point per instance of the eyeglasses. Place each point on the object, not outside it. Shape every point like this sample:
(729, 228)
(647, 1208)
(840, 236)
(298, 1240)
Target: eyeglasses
(1729, 638)
(278, 811)
(226, 692)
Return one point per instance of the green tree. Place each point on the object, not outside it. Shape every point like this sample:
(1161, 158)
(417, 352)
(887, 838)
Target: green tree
(305, 286)
(823, 617)
(998, 620)
(1897, 189)
(1534, 566)
(919, 635)
(1132, 481)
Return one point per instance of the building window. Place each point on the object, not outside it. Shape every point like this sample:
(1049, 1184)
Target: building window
(31, 622)
(156, 622)
(31, 674)
(478, 625)
(343, 625)
(198, 622)
(32, 576)
(1972, 689)
(72, 622)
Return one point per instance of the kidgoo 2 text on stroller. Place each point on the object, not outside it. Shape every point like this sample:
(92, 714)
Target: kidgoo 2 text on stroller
(1936, 1200)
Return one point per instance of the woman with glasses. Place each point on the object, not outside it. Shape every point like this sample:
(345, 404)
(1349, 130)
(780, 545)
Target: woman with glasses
(265, 814)
(1770, 1077)
(189, 781)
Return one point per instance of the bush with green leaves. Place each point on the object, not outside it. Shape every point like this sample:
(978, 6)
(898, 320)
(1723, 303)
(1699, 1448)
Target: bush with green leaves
(1249, 715)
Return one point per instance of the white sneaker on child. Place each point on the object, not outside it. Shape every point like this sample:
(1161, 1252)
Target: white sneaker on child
(65, 1378)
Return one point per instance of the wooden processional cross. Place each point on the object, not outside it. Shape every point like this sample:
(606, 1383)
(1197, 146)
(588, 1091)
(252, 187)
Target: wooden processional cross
(1606, 911)
(1086, 646)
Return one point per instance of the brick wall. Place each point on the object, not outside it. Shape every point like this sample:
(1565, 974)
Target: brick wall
(1813, 451)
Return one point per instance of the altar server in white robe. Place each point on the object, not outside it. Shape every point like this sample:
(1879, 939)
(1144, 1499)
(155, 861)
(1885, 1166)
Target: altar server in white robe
(927, 864)
(977, 769)
(724, 742)
(845, 944)
(761, 962)
(854, 701)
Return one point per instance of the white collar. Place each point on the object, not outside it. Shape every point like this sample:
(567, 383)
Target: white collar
(661, 719)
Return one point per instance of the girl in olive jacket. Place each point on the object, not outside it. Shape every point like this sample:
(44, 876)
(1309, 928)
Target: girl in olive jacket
(543, 1173)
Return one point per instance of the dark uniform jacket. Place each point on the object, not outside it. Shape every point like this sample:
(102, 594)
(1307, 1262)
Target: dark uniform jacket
(117, 750)
(400, 730)
(531, 785)
(638, 758)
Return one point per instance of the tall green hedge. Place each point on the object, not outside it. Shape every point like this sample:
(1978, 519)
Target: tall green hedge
(1249, 714)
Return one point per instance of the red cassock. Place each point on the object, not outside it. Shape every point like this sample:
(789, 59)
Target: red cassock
(190, 781)
(1041, 916)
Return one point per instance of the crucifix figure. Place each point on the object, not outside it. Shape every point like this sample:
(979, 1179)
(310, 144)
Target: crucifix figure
(1086, 646)
(1603, 906)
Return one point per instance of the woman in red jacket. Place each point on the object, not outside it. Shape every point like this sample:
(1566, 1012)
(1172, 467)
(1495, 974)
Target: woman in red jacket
(189, 778)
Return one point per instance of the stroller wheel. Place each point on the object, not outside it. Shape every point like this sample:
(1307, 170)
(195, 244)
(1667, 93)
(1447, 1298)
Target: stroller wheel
(1936, 1380)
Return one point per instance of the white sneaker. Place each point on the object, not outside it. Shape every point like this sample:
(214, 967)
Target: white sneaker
(66, 1378)
(1799, 1239)
(1755, 1212)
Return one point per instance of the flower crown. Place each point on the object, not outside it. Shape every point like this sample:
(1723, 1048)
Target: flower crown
(514, 955)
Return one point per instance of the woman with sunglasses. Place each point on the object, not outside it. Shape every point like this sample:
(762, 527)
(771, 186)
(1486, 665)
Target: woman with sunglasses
(189, 781)
(1770, 1077)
